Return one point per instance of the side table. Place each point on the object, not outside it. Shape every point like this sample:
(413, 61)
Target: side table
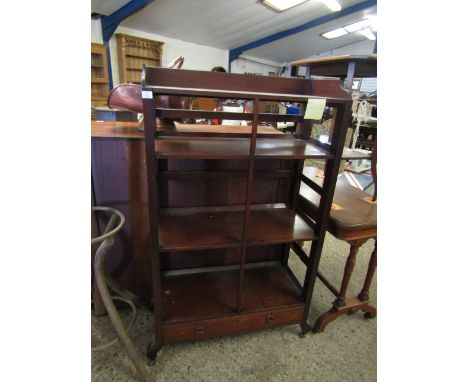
(353, 218)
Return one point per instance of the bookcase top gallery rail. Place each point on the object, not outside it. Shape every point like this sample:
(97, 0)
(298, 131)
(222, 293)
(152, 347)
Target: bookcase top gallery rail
(241, 86)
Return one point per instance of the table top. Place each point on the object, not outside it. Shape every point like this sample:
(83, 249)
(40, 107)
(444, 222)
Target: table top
(366, 65)
(342, 58)
(350, 212)
(107, 108)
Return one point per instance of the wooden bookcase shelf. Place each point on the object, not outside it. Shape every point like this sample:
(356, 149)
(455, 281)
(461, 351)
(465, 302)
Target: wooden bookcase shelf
(220, 229)
(237, 148)
(200, 231)
(217, 200)
(214, 294)
(205, 305)
(99, 75)
(135, 52)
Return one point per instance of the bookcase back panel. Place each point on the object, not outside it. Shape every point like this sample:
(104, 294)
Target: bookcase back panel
(207, 189)
(219, 257)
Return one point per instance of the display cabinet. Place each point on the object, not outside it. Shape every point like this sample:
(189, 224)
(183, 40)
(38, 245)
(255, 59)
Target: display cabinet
(135, 52)
(99, 75)
(223, 209)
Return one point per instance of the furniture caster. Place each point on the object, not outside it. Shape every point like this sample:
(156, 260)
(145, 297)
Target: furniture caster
(370, 311)
(301, 335)
(369, 315)
(151, 354)
(151, 362)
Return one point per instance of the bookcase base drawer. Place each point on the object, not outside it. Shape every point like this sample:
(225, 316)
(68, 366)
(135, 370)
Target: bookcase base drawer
(224, 326)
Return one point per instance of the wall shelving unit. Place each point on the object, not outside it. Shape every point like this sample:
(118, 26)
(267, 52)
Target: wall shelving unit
(134, 53)
(99, 75)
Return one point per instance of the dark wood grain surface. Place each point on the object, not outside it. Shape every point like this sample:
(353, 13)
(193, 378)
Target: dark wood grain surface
(129, 130)
(119, 181)
(365, 65)
(213, 294)
(224, 229)
(199, 303)
(229, 325)
(236, 148)
(350, 211)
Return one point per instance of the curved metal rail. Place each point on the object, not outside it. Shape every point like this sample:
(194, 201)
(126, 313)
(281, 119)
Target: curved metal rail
(107, 240)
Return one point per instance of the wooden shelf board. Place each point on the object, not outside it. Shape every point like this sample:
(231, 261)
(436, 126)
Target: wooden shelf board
(142, 57)
(223, 229)
(270, 226)
(129, 130)
(199, 231)
(197, 175)
(237, 148)
(99, 80)
(213, 294)
(199, 130)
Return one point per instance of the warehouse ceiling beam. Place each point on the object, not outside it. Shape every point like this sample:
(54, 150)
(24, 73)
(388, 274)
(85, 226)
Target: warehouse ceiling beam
(236, 52)
(110, 23)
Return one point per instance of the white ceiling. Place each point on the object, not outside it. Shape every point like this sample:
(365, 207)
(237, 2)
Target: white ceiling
(228, 24)
(107, 7)
(309, 42)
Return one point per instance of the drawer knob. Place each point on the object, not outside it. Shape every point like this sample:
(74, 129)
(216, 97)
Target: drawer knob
(270, 318)
(200, 330)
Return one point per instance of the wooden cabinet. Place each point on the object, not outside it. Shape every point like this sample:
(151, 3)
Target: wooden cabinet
(99, 75)
(133, 53)
(200, 103)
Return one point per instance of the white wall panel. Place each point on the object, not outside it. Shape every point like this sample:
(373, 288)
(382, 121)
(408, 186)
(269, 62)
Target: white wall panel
(197, 57)
(96, 31)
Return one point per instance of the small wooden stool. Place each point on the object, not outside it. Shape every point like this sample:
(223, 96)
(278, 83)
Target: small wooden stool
(353, 218)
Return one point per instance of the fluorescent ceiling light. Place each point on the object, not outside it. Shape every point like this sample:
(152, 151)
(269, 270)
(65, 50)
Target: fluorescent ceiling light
(358, 26)
(333, 5)
(282, 5)
(367, 32)
(373, 22)
(335, 33)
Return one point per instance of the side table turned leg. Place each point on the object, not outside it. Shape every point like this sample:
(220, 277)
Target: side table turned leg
(339, 305)
(371, 312)
(349, 267)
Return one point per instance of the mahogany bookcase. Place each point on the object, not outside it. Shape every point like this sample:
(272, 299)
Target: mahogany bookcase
(223, 209)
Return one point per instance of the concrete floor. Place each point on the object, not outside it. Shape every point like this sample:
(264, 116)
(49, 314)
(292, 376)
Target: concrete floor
(345, 351)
